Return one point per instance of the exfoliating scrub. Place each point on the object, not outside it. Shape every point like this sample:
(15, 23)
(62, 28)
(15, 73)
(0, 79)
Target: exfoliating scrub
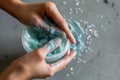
(35, 37)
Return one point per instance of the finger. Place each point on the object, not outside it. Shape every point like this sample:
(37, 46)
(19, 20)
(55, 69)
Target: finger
(60, 65)
(67, 53)
(36, 19)
(50, 46)
(52, 12)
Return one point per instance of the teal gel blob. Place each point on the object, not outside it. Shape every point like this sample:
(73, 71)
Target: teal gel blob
(34, 38)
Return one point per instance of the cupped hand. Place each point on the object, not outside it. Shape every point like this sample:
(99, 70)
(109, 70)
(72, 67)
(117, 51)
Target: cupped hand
(35, 12)
(35, 65)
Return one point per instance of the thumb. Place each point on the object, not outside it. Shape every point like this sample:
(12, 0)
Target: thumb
(50, 46)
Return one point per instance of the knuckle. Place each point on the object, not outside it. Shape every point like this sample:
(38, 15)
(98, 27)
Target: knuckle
(21, 65)
(50, 4)
(38, 54)
(50, 72)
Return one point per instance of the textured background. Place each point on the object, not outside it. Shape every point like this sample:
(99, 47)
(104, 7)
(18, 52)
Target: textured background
(100, 64)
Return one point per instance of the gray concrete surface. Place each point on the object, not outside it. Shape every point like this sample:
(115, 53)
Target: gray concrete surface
(101, 64)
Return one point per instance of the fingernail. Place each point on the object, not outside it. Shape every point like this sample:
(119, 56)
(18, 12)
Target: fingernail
(73, 41)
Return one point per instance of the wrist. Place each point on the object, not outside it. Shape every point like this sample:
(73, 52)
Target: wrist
(11, 6)
(15, 72)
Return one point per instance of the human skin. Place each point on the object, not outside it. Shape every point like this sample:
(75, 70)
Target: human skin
(34, 12)
(33, 65)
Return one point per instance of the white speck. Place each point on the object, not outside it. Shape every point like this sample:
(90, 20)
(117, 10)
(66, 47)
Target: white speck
(77, 3)
(86, 51)
(84, 61)
(67, 75)
(112, 55)
(78, 62)
(102, 26)
(98, 1)
(72, 72)
(91, 50)
(83, 2)
(85, 22)
(93, 25)
(89, 26)
(89, 43)
(64, 2)
(71, 9)
(79, 8)
(64, 16)
(81, 21)
(71, 18)
(90, 40)
(71, 68)
(85, 47)
(101, 16)
(95, 33)
(81, 11)
(79, 54)
(89, 36)
(70, 13)
(89, 14)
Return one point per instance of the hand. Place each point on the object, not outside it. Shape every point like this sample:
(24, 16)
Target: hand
(35, 12)
(33, 64)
